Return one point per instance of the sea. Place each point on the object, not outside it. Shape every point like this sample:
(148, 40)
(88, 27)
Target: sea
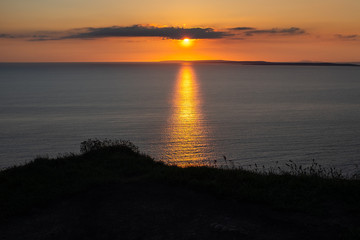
(184, 113)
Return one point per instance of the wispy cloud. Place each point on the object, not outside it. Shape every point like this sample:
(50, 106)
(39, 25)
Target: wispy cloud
(352, 37)
(38, 36)
(277, 31)
(4, 35)
(242, 28)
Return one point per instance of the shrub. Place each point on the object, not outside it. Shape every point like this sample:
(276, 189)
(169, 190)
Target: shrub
(96, 145)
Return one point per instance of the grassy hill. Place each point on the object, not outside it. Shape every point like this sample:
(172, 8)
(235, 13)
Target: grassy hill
(44, 182)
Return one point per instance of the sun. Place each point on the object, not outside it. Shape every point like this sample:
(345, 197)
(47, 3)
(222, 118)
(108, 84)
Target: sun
(186, 42)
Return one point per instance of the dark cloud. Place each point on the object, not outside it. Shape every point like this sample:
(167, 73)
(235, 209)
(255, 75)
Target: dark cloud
(238, 33)
(348, 37)
(144, 31)
(277, 31)
(242, 28)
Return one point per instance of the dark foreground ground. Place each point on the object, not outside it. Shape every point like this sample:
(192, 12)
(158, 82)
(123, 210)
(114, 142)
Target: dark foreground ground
(129, 196)
(159, 211)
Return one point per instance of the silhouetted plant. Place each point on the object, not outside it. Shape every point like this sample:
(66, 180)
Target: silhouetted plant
(96, 144)
(291, 168)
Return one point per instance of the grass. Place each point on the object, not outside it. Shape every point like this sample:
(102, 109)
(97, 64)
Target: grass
(44, 180)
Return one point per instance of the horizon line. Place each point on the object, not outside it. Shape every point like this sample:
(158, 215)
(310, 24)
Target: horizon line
(253, 62)
(183, 60)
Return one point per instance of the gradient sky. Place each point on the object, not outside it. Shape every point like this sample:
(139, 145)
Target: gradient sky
(135, 30)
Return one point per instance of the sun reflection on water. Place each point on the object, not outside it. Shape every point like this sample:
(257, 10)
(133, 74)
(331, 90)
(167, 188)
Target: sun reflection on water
(187, 133)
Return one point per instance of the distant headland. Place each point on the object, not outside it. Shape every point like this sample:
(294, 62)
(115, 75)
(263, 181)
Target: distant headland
(265, 63)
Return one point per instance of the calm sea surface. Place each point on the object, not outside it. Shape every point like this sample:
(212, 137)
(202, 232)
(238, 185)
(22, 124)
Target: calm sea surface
(184, 113)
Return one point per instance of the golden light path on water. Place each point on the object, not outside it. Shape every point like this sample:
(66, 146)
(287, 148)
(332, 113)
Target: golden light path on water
(186, 131)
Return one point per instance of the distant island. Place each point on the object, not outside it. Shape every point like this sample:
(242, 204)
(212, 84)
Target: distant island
(264, 63)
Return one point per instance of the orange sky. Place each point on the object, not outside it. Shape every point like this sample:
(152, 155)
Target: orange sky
(51, 30)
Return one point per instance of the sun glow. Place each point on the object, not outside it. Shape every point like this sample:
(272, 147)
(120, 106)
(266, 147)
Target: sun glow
(186, 42)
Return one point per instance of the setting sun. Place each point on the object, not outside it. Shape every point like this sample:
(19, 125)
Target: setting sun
(186, 42)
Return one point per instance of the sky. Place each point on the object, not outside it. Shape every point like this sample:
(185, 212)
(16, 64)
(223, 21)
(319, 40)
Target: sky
(143, 30)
